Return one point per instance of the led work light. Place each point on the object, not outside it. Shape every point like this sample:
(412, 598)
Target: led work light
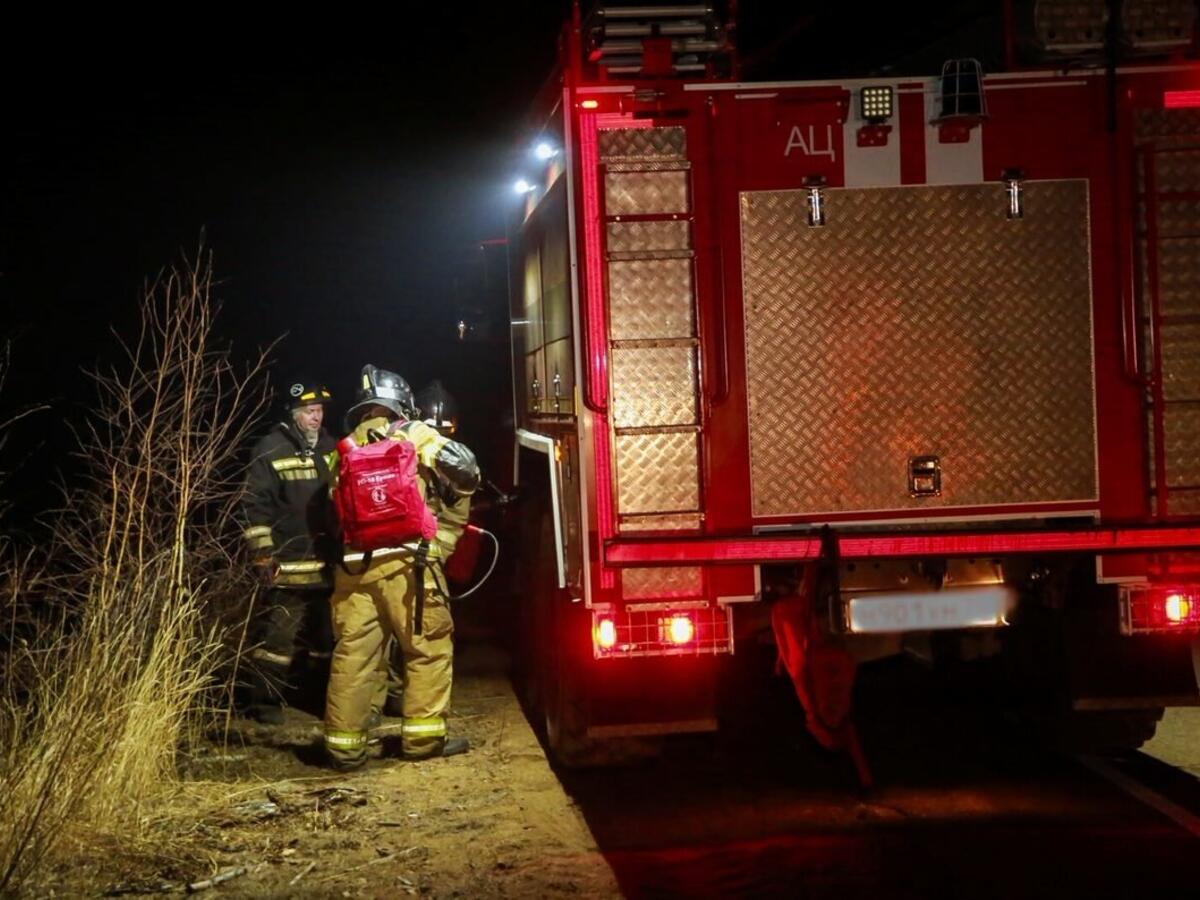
(875, 103)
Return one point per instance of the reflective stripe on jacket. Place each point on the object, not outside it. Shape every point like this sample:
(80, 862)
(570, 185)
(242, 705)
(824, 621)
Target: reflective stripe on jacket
(285, 508)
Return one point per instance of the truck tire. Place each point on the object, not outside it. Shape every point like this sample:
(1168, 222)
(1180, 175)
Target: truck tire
(1109, 732)
(1047, 658)
(564, 693)
(554, 655)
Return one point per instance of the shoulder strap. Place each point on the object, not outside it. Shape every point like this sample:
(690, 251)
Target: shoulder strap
(420, 562)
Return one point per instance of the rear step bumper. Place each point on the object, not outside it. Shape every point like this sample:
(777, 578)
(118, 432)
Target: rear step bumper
(792, 548)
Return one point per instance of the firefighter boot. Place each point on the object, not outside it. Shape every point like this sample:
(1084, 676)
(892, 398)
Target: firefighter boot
(448, 747)
(346, 765)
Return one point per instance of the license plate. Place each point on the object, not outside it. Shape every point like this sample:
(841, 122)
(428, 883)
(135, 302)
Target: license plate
(975, 607)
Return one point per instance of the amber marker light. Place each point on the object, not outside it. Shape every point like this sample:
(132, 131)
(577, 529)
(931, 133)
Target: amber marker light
(589, 104)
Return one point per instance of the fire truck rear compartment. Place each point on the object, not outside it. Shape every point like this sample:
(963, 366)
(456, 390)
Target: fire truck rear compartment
(919, 331)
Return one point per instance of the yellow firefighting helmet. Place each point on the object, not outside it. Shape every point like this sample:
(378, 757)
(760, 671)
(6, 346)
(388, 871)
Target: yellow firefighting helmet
(303, 391)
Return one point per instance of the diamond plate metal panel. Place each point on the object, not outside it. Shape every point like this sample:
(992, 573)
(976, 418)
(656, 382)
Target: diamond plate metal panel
(1171, 123)
(637, 193)
(918, 321)
(688, 522)
(1182, 425)
(1070, 26)
(1177, 170)
(653, 386)
(1181, 361)
(643, 143)
(654, 584)
(1184, 503)
(1179, 277)
(1173, 137)
(1178, 219)
(1158, 24)
(658, 472)
(650, 298)
(670, 165)
(628, 237)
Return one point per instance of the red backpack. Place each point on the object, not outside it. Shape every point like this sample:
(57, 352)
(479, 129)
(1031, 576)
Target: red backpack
(378, 498)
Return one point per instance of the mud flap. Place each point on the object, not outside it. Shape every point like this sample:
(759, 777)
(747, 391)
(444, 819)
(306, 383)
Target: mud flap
(1196, 661)
(822, 672)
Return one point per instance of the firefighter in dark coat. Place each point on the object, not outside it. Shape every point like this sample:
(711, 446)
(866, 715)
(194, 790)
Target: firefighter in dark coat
(286, 522)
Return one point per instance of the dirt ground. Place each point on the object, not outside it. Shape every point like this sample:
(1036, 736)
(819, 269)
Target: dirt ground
(735, 814)
(491, 823)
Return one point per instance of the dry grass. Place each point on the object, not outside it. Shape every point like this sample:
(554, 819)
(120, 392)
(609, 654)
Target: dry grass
(113, 646)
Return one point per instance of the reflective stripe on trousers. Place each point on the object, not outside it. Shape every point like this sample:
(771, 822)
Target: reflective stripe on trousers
(346, 740)
(435, 727)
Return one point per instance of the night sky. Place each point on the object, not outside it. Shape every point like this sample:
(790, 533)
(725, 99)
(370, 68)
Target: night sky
(342, 180)
(342, 172)
(338, 180)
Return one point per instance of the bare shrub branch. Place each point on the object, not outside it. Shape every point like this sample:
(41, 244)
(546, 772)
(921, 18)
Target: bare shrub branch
(113, 637)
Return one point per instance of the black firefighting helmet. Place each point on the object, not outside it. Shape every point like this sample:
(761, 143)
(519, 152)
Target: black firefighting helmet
(303, 391)
(379, 387)
(438, 407)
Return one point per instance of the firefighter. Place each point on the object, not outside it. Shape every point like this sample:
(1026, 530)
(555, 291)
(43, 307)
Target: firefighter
(376, 597)
(439, 410)
(285, 508)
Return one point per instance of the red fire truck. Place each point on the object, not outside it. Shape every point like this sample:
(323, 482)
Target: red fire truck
(867, 365)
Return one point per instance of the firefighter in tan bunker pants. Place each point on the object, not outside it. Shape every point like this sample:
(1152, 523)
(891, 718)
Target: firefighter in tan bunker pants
(439, 410)
(374, 599)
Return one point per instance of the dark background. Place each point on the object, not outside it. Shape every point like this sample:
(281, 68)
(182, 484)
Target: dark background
(341, 171)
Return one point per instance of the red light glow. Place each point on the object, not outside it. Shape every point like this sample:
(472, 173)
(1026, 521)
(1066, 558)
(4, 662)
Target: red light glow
(691, 551)
(606, 634)
(1178, 608)
(680, 630)
(1163, 608)
(1181, 99)
(594, 321)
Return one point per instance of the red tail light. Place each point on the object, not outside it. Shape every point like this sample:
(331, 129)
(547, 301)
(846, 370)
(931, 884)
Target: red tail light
(1178, 608)
(1161, 608)
(606, 633)
(695, 631)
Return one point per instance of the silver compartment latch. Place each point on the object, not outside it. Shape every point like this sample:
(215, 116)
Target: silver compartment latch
(816, 200)
(1013, 179)
(924, 476)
